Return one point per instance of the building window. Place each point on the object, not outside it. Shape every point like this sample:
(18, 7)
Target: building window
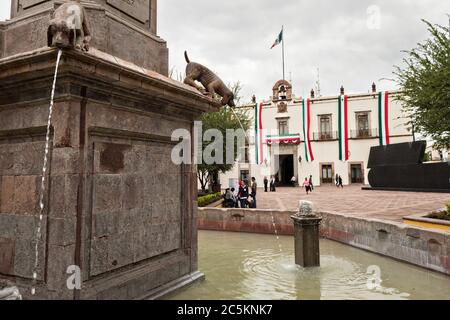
(283, 127)
(246, 152)
(325, 132)
(363, 122)
(245, 175)
(363, 129)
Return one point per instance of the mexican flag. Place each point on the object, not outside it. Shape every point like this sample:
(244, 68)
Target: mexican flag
(343, 128)
(258, 134)
(383, 117)
(306, 105)
(278, 40)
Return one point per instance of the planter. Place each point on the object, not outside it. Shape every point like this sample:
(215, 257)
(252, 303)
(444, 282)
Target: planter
(426, 221)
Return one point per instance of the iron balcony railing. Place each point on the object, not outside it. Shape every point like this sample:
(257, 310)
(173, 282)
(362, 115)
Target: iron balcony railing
(325, 136)
(363, 133)
(354, 134)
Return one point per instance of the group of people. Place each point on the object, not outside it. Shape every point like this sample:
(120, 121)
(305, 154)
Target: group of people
(241, 198)
(272, 184)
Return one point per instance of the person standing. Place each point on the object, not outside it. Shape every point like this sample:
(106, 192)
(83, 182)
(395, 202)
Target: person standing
(243, 194)
(254, 187)
(272, 184)
(266, 182)
(340, 182)
(337, 180)
(311, 185)
(306, 185)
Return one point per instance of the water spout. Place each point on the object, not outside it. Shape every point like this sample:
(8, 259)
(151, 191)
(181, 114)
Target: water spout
(44, 172)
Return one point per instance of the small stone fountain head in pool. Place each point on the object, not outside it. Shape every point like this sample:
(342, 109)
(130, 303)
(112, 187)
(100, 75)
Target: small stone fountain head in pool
(305, 209)
(306, 235)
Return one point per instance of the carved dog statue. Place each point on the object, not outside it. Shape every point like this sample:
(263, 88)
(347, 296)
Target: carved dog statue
(69, 27)
(212, 83)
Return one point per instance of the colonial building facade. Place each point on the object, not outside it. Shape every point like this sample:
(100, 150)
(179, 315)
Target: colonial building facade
(320, 137)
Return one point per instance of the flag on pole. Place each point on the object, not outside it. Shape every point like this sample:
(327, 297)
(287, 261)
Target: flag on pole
(258, 134)
(343, 128)
(278, 40)
(383, 117)
(306, 105)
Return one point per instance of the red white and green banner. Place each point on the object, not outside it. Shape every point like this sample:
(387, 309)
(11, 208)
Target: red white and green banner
(343, 127)
(383, 117)
(286, 139)
(306, 111)
(259, 134)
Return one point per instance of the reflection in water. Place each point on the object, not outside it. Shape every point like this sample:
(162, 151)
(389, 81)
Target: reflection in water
(249, 266)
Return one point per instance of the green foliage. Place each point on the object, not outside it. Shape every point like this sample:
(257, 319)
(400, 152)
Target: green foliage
(448, 209)
(225, 118)
(203, 201)
(426, 157)
(425, 81)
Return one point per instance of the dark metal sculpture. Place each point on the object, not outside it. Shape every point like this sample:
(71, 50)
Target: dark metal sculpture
(69, 27)
(211, 82)
(399, 167)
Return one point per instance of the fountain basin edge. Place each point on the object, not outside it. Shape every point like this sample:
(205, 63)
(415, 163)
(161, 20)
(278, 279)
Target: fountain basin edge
(419, 246)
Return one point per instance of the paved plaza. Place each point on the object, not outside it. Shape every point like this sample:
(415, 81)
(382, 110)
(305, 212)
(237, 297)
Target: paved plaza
(385, 205)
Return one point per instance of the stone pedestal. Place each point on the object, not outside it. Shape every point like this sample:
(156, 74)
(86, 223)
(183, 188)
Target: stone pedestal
(306, 235)
(115, 205)
(123, 28)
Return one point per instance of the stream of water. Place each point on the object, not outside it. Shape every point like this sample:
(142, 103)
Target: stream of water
(273, 218)
(43, 180)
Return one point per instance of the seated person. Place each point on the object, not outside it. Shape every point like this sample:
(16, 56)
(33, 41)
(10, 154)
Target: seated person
(228, 199)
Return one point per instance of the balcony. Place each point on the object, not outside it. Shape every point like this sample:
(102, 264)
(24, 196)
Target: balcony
(363, 134)
(325, 136)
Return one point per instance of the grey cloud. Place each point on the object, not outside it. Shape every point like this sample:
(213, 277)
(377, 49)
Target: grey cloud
(233, 38)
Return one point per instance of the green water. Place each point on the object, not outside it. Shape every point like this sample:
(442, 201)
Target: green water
(250, 266)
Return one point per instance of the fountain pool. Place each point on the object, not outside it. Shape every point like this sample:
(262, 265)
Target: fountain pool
(251, 266)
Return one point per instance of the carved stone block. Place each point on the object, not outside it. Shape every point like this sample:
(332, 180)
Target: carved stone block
(138, 9)
(29, 3)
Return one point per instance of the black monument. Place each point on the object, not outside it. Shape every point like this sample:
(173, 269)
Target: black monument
(400, 167)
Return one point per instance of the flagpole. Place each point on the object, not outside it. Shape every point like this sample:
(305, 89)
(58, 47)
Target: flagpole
(282, 30)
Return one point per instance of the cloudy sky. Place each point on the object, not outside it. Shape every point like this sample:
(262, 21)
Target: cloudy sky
(353, 43)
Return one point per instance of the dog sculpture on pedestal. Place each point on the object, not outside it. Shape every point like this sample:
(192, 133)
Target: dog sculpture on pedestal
(210, 81)
(69, 27)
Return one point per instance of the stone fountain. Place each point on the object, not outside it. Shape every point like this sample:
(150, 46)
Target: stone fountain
(106, 212)
(306, 235)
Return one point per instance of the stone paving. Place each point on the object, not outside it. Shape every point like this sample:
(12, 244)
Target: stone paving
(352, 200)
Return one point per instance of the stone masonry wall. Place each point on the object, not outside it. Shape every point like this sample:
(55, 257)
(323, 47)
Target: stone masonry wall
(115, 204)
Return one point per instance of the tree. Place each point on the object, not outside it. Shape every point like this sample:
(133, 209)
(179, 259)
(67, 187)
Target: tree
(425, 81)
(225, 118)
